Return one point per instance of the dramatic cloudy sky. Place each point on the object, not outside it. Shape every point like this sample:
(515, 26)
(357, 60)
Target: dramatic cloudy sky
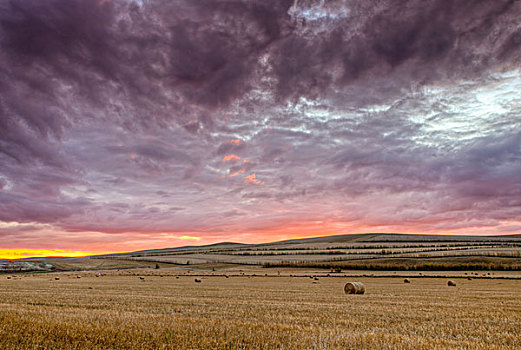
(131, 124)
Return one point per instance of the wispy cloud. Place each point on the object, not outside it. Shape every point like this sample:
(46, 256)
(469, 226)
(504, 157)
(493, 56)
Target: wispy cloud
(231, 157)
(252, 179)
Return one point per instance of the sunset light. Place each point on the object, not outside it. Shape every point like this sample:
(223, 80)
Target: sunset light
(43, 253)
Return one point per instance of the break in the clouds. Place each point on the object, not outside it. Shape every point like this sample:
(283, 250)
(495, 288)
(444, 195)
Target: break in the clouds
(135, 124)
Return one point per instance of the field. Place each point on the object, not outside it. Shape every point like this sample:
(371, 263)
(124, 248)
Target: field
(167, 309)
(354, 252)
(281, 295)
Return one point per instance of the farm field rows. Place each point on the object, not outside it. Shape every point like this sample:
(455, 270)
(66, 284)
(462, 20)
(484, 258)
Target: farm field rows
(173, 312)
(371, 251)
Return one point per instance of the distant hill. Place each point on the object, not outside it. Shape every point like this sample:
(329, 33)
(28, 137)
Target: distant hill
(222, 245)
(349, 251)
(346, 238)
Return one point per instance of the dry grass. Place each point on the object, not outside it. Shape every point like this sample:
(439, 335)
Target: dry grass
(122, 312)
(93, 264)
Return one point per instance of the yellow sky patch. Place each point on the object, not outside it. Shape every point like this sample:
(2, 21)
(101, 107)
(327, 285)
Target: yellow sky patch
(190, 237)
(43, 253)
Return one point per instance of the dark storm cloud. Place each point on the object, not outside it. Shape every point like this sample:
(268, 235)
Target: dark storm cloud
(176, 53)
(108, 106)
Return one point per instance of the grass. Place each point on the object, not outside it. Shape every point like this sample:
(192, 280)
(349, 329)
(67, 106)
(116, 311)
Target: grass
(122, 312)
(93, 264)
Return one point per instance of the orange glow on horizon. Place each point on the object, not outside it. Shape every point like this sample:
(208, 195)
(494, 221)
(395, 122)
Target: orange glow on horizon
(288, 230)
(24, 253)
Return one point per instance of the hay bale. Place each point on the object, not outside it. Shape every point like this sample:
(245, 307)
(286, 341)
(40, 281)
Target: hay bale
(8, 277)
(78, 276)
(197, 280)
(142, 278)
(406, 280)
(354, 288)
(56, 278)
(451, 283)
(315, 278)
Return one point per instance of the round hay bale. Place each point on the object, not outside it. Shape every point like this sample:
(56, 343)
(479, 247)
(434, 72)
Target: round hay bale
(78, 276)
(197, 280)
(354, 288)
(8, 277)
(142, 278)
(406, 280)
(451, 283)
(315, 278)
(56, 278)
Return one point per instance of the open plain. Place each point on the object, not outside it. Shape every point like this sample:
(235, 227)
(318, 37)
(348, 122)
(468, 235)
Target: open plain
(245, 309)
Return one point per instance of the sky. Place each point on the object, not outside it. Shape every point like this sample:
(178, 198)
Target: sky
(129, 125)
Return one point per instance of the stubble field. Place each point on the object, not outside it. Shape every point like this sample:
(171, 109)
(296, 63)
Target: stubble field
(245, 312)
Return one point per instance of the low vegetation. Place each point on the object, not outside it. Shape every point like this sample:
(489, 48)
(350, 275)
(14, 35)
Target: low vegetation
(411, 264)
